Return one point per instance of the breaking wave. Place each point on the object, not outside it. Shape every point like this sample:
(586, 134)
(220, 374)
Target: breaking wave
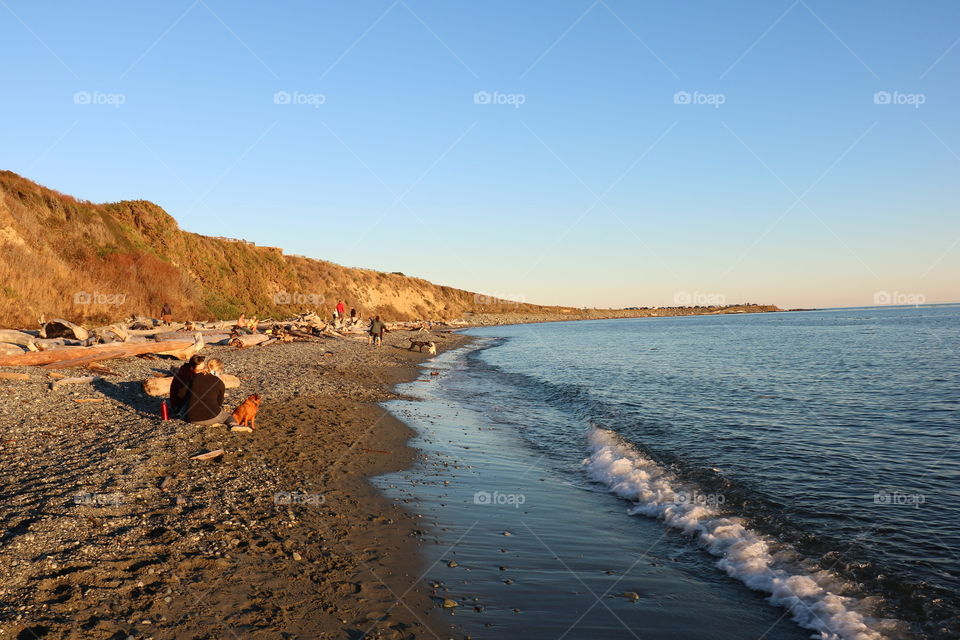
(817, 599)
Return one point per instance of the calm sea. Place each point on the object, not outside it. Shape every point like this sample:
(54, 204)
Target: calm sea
(811, 460)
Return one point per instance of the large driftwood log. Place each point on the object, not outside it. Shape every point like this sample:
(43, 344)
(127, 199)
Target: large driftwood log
(248, 341)
(60, 328)
(7, 349)
(112, 333)
(187, 353)
(12, 336)
(89, 354)
(161, 386)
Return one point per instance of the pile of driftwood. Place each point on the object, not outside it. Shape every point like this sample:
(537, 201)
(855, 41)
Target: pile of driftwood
(59, 343)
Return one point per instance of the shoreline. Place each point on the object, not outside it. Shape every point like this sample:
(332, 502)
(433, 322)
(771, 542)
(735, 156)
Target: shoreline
(111, 529)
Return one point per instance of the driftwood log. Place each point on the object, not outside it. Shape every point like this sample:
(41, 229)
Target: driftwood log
(161, 386)
(188, 352)
(62, 382)
(248, 341)
(7, 349)
(21, 338)
(78, 356)
(60, 328)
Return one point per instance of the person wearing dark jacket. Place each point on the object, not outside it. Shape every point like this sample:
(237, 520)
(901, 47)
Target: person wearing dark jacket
(166, 314)
(376, 331)
(205, 400)
(180, 385)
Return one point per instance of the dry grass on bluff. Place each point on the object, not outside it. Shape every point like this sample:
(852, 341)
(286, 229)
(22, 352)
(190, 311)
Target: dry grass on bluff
(60, 256)
(100, 263)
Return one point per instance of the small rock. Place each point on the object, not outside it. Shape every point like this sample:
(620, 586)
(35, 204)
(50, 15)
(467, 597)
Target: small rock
(297, 556)
(632, 596)
(452, 564)
(450, 604)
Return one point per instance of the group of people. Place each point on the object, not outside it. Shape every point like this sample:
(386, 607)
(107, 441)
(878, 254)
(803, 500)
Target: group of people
(374, 332)
(197, 392)
(340, 313)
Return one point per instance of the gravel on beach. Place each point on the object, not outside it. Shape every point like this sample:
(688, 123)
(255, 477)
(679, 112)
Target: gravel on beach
(108, 529)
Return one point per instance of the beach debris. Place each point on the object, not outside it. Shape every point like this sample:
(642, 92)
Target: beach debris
(63, 357)
(88, 400)
(242, 341)
(60, 328)
(209, 455)
(62, 382)
(632, 596)
(19, 338)
(160, 386)
(507, 533)
(241, 428)
(508, 581)
(7, 349)
(6, 375)
(452, 564)
(188, 352)
(450, 604)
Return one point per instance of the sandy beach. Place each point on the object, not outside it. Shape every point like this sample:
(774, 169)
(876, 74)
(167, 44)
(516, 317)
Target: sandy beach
(110, 530)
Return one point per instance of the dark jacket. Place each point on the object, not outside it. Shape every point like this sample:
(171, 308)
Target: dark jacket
(205, 399)
(180, 386)
(377, 327)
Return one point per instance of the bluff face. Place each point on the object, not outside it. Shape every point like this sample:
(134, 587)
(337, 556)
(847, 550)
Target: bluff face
(100, 263)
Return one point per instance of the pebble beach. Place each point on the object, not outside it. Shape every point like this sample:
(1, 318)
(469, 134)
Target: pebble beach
(111, 530)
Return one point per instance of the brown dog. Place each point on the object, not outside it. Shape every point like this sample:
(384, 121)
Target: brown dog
(246, 414)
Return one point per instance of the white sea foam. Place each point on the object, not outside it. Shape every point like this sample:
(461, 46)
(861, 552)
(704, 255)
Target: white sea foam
(744, 554)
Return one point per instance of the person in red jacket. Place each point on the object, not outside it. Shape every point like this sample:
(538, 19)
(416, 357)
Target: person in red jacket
(341, 309)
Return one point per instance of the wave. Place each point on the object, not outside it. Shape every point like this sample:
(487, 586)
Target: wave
(816, 599)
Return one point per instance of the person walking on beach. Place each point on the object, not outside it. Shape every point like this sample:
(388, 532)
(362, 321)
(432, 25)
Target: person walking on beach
(166, 314)
(205, 403)
(341, 309)
(353, 315)
(377, 329)
(180, 385)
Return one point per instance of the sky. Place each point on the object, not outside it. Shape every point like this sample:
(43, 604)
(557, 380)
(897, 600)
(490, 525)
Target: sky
(602, 153)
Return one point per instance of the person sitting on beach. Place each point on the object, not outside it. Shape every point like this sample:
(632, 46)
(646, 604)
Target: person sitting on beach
(205, 404)
(180, 385)
(376, 331)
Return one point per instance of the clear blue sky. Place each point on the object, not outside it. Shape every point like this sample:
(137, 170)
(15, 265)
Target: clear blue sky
(599, 189)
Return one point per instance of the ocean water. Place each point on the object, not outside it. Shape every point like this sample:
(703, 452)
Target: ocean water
(772, 475)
